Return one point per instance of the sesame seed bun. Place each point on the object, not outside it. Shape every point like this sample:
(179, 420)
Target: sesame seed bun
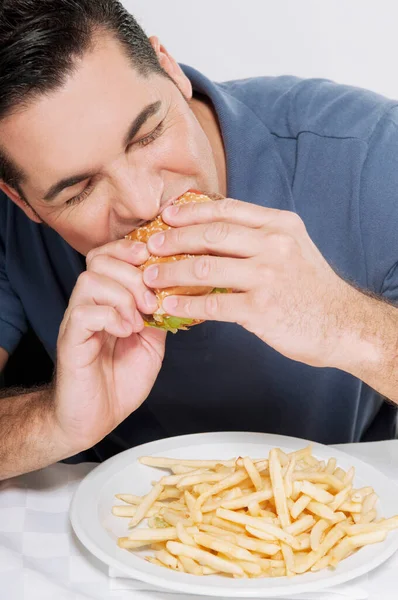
(160, 319)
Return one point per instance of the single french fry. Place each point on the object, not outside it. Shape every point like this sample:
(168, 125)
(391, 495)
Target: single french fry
(331, 466)
(340, 498)
(158, 535)
(319, 477)
(191, 566)
(172, 518)
(224, 546)
(321, 564)
(206, 477)
(278, 487)
(339, 473)
(124, 542)
(369, 503)
(184, 536)
(300, 505)
(252, 472)
(146, 504)
(173, 480)
(227, 525)
(254, 509)
(343, 549)
(250, 568)
(204, 558)
(301, 525)
(129, 510)
(384, 524)
(304, 541)
(170, 492)
(349, 476)
(180, 469)
(288, 477)
(309, 489)
(282, 456)
(317, 532)
(325, 512)
(167, 559)
(369, 517)
(289, 559)
(246, 500)
(359, 495)
(300, 454)
(162, 462)
(352, 507)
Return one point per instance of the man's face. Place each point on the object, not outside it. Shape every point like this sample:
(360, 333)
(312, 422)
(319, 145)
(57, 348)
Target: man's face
(110, 149)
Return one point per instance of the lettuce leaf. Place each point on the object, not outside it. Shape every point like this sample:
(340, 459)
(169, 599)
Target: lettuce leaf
(174, 324)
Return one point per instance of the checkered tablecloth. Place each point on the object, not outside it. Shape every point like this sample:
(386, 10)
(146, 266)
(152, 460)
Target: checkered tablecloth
(41, 558)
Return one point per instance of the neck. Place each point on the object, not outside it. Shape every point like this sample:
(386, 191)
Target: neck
(207, 117)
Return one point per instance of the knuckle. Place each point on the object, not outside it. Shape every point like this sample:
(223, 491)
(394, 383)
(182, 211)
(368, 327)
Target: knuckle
(77, 314)
(212, 305)
(97, 262)
(292, 220)
(284, 244)
(86, 280)
(202, 267)
(91, 254)
(226, 207)
(216, 232)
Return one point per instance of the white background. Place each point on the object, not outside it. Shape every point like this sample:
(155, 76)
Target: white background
(350, 41)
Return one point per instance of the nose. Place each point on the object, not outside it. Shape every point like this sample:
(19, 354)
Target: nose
(137, 196)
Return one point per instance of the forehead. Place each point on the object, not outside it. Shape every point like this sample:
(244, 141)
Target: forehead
(91, 110)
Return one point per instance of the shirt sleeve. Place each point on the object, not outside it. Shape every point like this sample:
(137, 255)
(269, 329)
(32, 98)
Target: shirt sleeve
(379, 207)
(13, 322)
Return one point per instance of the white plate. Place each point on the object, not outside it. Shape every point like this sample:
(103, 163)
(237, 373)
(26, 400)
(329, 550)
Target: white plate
(98, 529)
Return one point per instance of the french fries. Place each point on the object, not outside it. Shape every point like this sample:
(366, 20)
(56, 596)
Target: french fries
(283, 515)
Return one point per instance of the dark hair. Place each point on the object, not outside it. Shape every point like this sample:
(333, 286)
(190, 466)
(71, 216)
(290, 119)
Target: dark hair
(40, 41)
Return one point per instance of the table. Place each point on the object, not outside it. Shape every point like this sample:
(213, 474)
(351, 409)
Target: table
(41, 559)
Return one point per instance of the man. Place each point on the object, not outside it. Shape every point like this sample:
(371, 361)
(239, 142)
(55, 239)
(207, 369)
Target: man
(100, 130)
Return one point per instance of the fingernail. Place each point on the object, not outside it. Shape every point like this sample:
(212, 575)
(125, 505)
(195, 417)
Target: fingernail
(171, 211)
(151, 273)
(170, 303)
(157, 240)
(150, 301)
(137, 248)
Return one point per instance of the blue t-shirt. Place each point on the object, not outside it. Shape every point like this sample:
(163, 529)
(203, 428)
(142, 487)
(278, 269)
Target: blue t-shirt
(326, 151)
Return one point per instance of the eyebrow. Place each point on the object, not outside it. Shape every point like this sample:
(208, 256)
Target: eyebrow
(134, 128)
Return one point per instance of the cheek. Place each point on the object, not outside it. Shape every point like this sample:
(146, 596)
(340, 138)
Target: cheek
(184, 149)
(82, 228)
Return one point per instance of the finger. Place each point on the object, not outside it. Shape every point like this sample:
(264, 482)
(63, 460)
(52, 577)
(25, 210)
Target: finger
(94, 289)
(218, 237)
(135, 253)
(82, 325)
(213, 307)
(212, 271)
(129, 276)
(227, 210)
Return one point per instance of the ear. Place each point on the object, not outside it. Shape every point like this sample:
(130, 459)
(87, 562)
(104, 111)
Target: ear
(23, 205)
(172, 68)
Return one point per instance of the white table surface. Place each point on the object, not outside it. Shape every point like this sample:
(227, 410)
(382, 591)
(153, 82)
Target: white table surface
(41, 559)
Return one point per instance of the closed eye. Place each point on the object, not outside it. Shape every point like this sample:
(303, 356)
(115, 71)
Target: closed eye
(151, 137)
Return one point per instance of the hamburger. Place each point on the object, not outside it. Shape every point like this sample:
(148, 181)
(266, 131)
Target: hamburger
(159, 318)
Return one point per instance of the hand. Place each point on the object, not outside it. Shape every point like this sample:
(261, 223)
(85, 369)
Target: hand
(107, 362)
(285, 291)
